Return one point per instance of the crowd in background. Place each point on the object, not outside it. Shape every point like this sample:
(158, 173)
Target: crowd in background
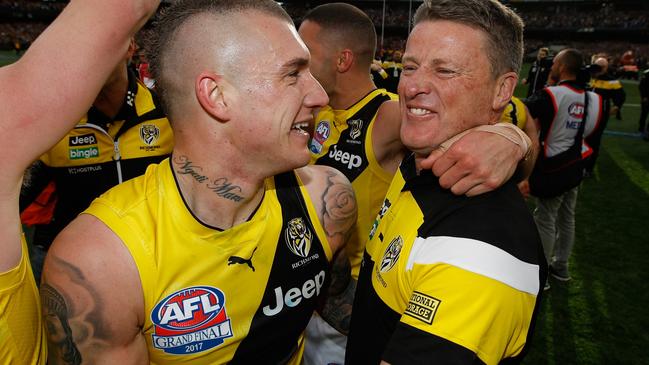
(18, 35)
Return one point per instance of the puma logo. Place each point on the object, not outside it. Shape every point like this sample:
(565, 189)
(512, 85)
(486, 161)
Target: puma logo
(240, 260)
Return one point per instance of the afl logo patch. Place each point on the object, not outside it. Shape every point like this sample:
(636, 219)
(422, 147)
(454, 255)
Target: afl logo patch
(149, 133)
(298, 237)
(321, 134)
(356, 126)
(190, 320)
(391, 255)
(576, 110)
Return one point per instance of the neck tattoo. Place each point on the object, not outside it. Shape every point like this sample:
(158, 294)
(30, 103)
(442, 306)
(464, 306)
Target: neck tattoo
(221, 186)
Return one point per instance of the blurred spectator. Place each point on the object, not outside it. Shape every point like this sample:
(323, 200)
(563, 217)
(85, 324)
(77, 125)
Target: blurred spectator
(539, 71)
(613, 96)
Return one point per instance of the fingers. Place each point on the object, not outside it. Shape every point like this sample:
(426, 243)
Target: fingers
(429, 161)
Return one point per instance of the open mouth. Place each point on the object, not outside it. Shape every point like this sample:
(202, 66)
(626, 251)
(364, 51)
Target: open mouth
(302, 127)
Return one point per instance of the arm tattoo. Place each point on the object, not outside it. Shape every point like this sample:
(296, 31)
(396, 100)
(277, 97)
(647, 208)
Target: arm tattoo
(221, 186)
(58, 328)
(73, 324)
(338, 208)
(337, 307)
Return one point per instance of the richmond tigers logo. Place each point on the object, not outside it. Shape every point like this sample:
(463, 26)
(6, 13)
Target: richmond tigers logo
(298, 237)
(149, 133)
(391, 255)
(356, 125)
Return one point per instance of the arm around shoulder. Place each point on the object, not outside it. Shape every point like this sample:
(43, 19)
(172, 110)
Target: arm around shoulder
(92, 297)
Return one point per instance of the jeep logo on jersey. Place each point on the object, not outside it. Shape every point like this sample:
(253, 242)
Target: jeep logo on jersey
(355, 126)
(82, 140)
(190, 320)
(576, 110)
(321, 134)
(294, 296)
(351, 160)
(391, 255)
(298, 237)
(149, 133)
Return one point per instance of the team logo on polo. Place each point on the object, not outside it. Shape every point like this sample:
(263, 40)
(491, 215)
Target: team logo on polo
(356, 127)
(83, 146)
(190, 320)
(321, 134)
(391, 255)
(149, 133)
(298, 237)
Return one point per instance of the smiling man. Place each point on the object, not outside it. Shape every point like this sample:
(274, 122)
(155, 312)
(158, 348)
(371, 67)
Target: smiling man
(221, 253)
(448, 278)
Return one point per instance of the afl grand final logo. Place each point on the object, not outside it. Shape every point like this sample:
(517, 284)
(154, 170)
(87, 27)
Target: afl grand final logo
(391, 255)
(355, 126)
(149, 133)
(298, 237)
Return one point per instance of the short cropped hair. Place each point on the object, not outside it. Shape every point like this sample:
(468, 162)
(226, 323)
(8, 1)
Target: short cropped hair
(349, 26)
(572, 60)
(171, 19)
(502, 27)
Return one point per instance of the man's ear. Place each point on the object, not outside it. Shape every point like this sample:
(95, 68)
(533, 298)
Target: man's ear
(210, 93)
(505, 86)
(345, 60)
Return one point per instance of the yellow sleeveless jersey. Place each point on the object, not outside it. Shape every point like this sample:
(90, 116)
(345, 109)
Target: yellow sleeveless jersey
(515, 113)
(22, 337)
(446, 278)
(343, 140)
(237, 296)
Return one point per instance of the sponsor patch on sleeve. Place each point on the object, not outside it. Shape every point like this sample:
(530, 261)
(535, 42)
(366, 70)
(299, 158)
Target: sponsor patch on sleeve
(422, 307)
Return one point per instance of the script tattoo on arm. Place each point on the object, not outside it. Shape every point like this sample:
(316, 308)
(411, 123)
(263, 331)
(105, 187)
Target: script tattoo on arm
(71, 325)
(338, 208)
(337, 307)
(221, 186)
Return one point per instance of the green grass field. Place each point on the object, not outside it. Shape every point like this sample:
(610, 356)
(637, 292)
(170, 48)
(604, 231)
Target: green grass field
(599, 317)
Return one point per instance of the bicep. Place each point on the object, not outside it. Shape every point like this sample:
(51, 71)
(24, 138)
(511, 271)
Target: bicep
(90, 300)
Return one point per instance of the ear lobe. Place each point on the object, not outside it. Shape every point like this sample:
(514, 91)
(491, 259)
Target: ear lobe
(505, 86)
(210, 95)
(345, 60)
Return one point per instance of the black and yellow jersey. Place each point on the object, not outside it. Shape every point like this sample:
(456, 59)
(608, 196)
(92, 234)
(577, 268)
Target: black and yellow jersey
(446, 278)
(515, 113)
(343, 140)
(240, 296)
(101, 152)
(611, 91)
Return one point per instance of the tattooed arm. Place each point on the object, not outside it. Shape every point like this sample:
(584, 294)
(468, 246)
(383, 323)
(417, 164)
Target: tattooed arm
(92, 298)
(333, 198)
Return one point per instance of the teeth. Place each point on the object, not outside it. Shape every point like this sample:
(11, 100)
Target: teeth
(418, 111)
(300, 126)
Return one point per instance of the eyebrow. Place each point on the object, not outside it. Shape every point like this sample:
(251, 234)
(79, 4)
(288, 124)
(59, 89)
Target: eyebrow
(298, 62)
(434, 62)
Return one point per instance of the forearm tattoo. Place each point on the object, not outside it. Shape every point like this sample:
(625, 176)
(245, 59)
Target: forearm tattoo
(72, 325)
(337, 308)
(338, 208)
(220, 186)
